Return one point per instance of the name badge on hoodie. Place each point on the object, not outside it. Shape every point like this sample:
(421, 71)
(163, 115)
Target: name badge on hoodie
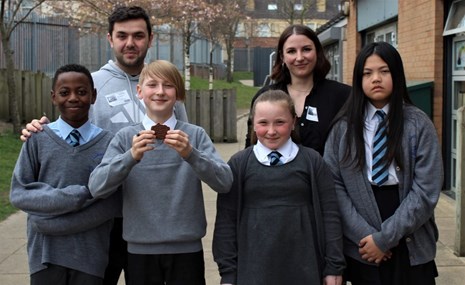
(118, 98)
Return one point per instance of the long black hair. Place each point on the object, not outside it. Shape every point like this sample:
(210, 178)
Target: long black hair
(354, 110)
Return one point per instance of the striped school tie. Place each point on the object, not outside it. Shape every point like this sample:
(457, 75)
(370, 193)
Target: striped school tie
(380, 167)
(74, 137)
(274, 158)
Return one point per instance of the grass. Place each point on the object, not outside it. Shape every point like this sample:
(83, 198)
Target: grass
(244, 93)
(10, 146)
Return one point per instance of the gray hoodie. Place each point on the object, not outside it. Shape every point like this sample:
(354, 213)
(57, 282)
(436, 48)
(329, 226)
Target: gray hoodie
(117, 104)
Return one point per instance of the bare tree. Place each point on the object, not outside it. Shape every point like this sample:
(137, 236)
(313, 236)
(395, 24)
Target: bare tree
(212, 29)
(88, 15)
(182, 15)
(295, 11)
(11, 16)
(233, 13)
(185, 16)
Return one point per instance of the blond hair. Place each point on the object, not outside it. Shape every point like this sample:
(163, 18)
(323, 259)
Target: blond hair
(167, 71)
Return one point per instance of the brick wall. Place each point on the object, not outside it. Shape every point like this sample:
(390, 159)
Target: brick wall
(352, 43)
(420, 43)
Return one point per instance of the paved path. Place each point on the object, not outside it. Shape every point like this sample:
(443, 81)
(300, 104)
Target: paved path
(13, 257)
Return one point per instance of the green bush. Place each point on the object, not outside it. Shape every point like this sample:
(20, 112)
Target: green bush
(10, 145)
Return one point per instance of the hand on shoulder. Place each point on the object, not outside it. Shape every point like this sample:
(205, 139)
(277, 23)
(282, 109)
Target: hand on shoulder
(33, 127)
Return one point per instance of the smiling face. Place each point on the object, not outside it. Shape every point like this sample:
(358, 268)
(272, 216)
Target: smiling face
(159, 96)
(299, 55)
(130, 41)
(73, 95)
(273, 123)
(377, 81)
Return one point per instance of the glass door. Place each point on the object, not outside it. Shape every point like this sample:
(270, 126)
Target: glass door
(458, 100)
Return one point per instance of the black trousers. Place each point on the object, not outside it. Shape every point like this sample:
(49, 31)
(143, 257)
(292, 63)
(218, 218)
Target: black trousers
(166, 269)
(59, 275)
(118, 255)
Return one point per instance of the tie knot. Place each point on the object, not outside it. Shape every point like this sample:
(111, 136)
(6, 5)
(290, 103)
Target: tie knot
(274, 158)
(381, 115)
(74, 136)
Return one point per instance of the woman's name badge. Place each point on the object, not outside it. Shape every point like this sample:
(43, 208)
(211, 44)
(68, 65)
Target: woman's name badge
(312, 114)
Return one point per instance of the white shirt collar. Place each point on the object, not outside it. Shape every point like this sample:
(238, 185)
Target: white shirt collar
(288, 151)
(148, 123)
(371, 110)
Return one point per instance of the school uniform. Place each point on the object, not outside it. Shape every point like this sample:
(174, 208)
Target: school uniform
(278, 224)
(400, 214)
(163, 209)
(68, 231)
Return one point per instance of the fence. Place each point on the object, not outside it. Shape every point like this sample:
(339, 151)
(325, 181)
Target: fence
(214, 110)
(45, 43)
(33, 95)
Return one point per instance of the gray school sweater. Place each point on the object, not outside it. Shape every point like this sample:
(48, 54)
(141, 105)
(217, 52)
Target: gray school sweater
(65, 225)
(420, 184)
(163, 208)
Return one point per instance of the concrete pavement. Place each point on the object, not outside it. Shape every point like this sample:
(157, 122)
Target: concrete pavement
(13, 256)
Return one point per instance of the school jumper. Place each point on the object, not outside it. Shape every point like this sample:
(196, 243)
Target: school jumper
(65, 225)
(163, 207)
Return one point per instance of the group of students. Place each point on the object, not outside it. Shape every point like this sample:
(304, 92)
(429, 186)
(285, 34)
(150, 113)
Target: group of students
(334, 185)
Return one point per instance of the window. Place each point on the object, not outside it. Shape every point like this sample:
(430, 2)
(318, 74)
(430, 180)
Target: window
(264, 30)
(312, 26)
(272, 7)
(26, 5)
(332, 54)
(298, 7)
(240, 32)
(386, 33)
(456, 19)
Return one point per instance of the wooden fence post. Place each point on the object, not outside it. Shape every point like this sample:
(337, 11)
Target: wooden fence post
(460, 189)
(215, 111)
(230, 121)
(32, 93)
(217, 114)
(4, 100)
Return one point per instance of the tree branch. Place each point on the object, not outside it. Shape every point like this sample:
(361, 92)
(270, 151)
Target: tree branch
(12, 24)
